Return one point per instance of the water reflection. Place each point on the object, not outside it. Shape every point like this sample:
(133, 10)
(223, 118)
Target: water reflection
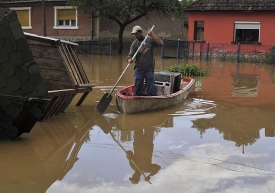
(140, 159)
(35, 163)
(213, 142)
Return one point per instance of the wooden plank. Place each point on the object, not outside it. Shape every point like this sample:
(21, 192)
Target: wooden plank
(62, 92)
(66, 60)
(40, 43)
(49, 108)
(67, 103)
(55, 75)
(57, 85)
(53, 108)
(85, 85)
(82, 98)
(45, 52)
(48, 63)
(85, 78)
(60, 105)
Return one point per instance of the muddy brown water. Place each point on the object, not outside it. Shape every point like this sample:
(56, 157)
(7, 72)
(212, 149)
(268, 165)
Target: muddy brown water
(221, 139)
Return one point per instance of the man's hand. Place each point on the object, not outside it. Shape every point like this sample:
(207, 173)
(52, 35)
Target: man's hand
(150, 33)
(130, 60)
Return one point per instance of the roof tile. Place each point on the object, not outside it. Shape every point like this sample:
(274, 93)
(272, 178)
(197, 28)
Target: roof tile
(232, 5)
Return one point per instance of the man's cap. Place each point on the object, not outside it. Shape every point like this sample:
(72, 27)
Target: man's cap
(136, 29)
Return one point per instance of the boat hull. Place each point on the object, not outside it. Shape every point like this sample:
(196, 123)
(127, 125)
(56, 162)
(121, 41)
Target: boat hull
(135, 104)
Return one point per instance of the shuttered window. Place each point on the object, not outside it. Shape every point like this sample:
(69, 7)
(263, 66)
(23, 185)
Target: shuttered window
(247, 32)
(65, 17)
(23, 16)
(66, 14)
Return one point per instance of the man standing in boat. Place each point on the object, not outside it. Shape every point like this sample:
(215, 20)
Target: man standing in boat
(144, 61)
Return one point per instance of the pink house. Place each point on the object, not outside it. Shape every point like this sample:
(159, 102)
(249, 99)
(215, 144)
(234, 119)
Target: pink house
(249, 23)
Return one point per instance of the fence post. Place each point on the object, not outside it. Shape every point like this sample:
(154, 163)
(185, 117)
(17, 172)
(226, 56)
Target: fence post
(200, 49)
(207, 51)
(178, 49)
(111, 46)
(193, 50)
(162, 48)
(238, 53)
(89, 46)
(272, 53)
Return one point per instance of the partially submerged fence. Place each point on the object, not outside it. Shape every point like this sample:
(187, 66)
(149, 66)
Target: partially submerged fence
(198, 50)
(253, 53)
(95, 47)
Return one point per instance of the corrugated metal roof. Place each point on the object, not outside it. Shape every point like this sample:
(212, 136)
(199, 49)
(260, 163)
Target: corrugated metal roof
(232, 5)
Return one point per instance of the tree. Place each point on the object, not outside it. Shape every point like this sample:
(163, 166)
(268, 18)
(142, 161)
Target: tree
(124, 12)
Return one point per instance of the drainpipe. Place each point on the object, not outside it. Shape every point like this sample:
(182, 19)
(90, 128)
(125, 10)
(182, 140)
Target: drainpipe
(44, 18)
(92, 23)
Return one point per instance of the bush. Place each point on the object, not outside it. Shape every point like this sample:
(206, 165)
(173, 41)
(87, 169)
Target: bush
(188, 70)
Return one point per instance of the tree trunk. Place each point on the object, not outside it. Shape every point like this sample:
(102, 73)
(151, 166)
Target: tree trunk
(120, 38)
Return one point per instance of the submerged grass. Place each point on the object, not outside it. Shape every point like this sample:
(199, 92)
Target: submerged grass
(188, 70)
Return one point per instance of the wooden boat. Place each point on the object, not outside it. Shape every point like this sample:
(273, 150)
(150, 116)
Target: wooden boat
(128, 103)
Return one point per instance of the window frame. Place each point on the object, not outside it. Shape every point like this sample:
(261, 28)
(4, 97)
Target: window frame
(56, 21)
(256, 25)
(21, 9)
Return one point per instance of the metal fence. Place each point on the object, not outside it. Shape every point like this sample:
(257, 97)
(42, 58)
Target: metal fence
(241, 53)
(95, 47)
(199, 50)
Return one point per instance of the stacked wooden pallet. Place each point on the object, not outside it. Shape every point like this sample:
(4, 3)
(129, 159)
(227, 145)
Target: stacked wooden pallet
(23, 95)
(61, 70)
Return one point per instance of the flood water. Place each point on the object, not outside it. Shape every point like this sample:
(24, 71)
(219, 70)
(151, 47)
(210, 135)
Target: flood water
(221, 139)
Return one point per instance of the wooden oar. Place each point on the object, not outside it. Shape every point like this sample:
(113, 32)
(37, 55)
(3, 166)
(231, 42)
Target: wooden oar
(139, 170)
(107, 97)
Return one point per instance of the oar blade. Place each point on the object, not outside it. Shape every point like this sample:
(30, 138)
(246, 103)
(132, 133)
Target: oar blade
(104, 103)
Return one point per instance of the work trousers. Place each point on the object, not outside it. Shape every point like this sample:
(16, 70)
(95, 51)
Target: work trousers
(148, 88)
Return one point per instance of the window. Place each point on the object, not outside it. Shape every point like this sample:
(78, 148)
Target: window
(247, 32)
(199, 30)
(23, 16)
(65, 18)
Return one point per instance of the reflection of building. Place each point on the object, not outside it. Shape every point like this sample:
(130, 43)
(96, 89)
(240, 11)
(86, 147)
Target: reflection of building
(239, 124)
(245, 85)
(35, 164)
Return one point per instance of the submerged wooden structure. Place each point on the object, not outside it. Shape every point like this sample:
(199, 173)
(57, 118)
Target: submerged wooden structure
(23, 95)
(39, 77)
(61, 70)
